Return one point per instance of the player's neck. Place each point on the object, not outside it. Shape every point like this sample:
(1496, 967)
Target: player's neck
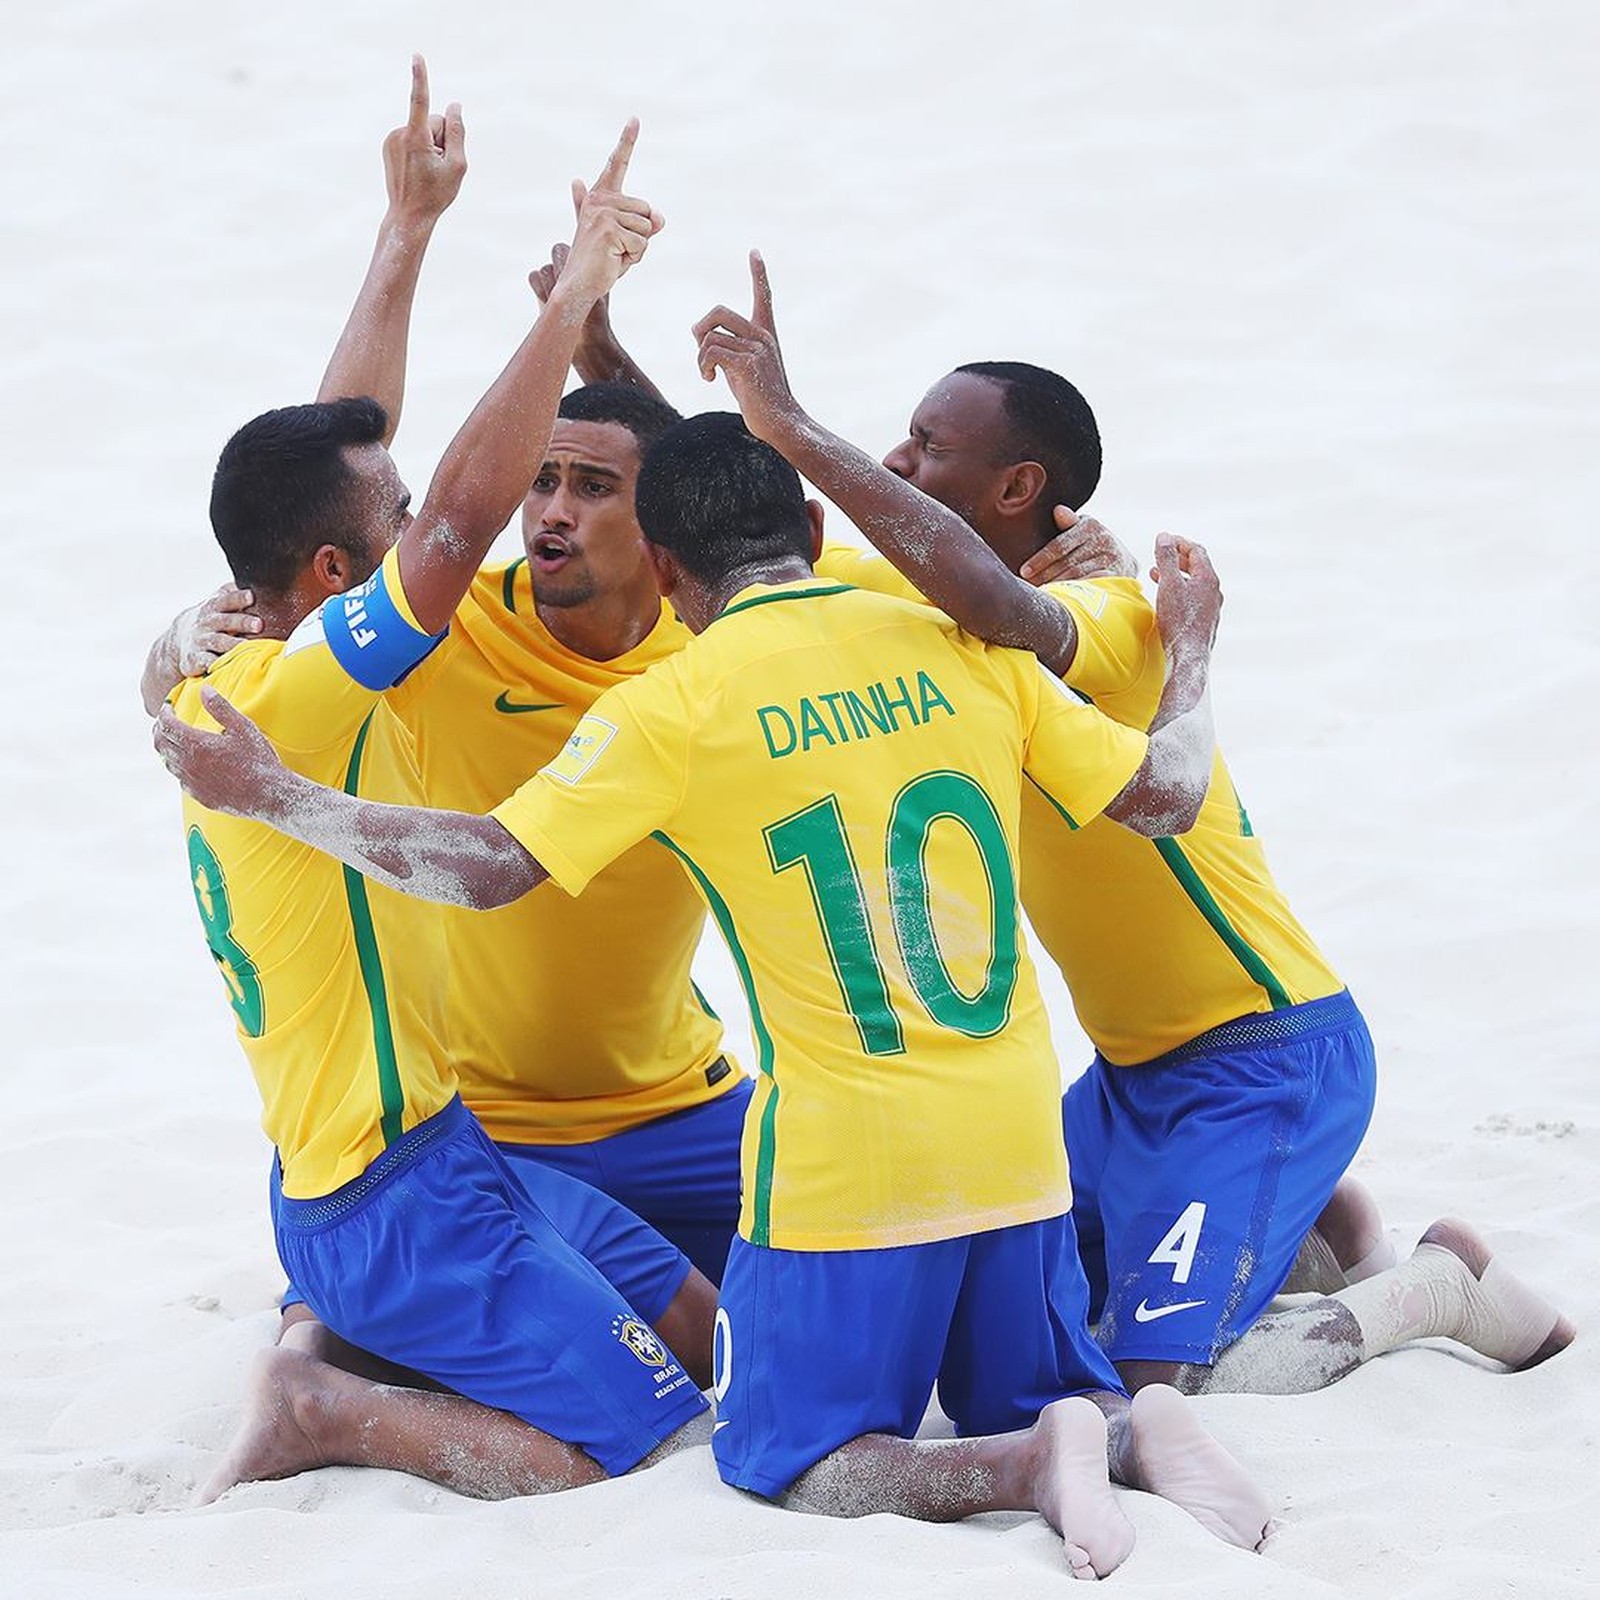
(716, 597)
(605, 627)
(281, 614)
(1013, 539)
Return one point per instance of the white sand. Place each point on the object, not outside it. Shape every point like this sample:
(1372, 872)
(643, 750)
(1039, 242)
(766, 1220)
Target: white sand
(1329, 281)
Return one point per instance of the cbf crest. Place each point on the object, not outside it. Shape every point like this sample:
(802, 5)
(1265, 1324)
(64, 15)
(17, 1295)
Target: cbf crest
(641, 1340)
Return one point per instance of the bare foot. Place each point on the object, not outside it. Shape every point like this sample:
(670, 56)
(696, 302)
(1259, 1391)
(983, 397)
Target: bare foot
(1072, 1490)
(270, 1442)
(1173, 1456)
(1501, 1316)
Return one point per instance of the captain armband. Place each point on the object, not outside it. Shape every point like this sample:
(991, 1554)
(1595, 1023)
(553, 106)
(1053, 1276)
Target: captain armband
(371, 630)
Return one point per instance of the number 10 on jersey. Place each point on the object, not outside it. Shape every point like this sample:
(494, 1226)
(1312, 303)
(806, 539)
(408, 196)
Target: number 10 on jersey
(815, 840)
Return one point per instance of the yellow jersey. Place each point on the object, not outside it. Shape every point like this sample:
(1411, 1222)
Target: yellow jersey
(333, 980)
(840, 774)
(569, 1019)
(1158, 939)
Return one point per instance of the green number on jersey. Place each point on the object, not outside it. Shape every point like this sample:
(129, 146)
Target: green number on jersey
(815, 839)
(216, 915)
(918, 806)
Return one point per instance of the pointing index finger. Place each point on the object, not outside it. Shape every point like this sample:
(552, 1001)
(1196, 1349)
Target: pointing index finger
(761, 286)
(615, 170)
(417, 120)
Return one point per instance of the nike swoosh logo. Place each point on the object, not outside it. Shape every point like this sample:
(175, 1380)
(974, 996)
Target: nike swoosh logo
(507, 704)
(717, 1427)
(1148, 1313)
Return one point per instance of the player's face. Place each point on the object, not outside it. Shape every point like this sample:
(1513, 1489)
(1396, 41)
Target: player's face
(954, 450)
(380, 508)
(578, 525)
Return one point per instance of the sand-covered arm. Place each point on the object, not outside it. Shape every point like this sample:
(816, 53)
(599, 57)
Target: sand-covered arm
(424, 162)
(453, 857)
(600, 356)
(935, 549)
(1164, 796)
(196, 637)
(423, 165)
(484, 474)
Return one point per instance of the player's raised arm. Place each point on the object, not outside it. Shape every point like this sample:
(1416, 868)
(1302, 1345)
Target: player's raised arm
(484, 474)
(424, 162)
(930, 544)
(600, 356)
(1164, 796)
(449, 856)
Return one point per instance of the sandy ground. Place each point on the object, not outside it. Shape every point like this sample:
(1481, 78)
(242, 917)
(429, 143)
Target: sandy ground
(1328, 280)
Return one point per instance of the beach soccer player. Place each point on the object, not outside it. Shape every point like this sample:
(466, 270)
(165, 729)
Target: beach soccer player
(613, 1071)
(387, 1196)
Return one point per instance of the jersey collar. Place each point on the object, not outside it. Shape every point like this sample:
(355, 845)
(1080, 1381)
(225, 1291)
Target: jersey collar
(761, 594)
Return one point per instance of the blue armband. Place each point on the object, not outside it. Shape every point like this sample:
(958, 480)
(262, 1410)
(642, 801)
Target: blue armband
(371, 637)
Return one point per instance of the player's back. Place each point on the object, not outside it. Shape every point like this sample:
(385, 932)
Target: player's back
(1159, 939)
(841, 774)
(334, 982)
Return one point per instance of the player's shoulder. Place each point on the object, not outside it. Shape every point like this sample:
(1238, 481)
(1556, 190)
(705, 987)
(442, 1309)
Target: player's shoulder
(1096, 599)
(244, 675)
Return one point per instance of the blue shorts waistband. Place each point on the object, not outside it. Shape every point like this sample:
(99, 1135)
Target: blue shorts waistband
(1258, 1031)
(324, 1210)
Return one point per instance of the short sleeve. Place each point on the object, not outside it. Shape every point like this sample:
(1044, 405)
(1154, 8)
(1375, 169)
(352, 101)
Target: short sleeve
(618, 778)
(1116, 633)
(372, 631)
(1077, 755)
(865, 569)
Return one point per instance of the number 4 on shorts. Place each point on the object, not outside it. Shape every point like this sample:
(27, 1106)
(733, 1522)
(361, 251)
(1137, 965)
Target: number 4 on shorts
(1183, 1237)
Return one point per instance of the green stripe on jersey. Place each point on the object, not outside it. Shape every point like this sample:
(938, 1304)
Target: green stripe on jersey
(508, 585)
(1183, 870)
(1059, 809)
(390, 1091)
(792, 594)
(761, 1202)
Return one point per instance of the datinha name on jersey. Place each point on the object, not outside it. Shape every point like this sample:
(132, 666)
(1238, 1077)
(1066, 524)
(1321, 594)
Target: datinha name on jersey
(842, 715)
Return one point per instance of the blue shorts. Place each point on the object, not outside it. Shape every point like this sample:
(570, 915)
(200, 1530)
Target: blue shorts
(631, 1256)
(815, 1348)
(1196, 1176)
(436, 1259)
(680, 1173)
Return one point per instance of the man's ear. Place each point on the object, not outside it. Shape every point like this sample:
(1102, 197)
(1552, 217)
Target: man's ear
(333, 569)
(664, 567)
(814, 514)
(1020, 489)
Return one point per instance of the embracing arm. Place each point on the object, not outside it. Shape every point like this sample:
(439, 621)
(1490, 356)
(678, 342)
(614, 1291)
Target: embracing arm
(1164, 796)
(452, 857)
(193, 640)
(936, 549)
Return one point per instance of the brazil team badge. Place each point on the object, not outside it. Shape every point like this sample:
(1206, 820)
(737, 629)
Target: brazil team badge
(641, 1340)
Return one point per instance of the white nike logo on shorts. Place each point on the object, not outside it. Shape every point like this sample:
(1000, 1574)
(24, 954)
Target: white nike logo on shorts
(1144, 1312)
(717, 1427)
